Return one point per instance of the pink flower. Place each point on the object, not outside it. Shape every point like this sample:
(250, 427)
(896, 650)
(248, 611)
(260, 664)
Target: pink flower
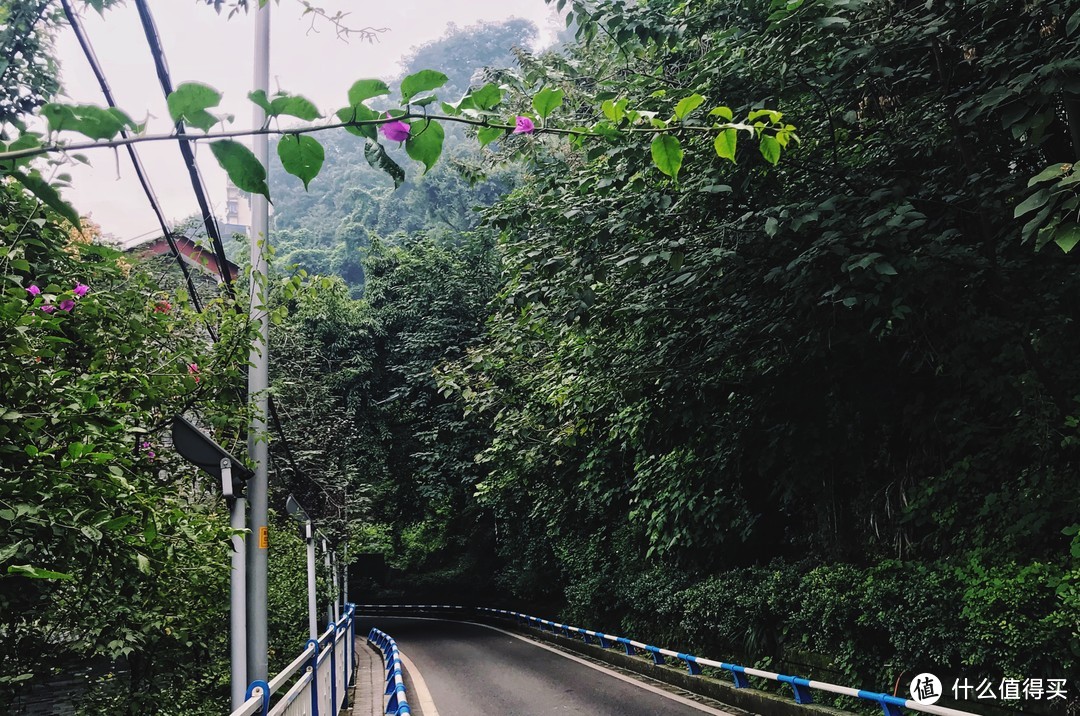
(523, 125)
(162, 307)
(48, 308)
(193, 369)
(80, 289)
(67, 305)
(33, 290)
(395, 131)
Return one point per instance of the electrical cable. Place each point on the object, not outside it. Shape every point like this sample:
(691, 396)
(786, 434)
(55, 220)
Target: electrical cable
(209, 220)
(289, 456)
(140, 172)
(158, 55)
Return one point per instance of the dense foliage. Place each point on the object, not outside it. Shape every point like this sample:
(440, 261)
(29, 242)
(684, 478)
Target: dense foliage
(848, 376)
(820, 414)
(110, 549)
(326, 229)
(848, 358)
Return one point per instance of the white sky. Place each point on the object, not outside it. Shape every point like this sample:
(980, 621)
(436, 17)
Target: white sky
(203, 46)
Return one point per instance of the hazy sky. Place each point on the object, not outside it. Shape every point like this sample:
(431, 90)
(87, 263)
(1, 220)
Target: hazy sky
(201, 45)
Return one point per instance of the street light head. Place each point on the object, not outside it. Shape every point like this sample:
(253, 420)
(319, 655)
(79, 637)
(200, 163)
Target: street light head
(198, 448)
(294, 509)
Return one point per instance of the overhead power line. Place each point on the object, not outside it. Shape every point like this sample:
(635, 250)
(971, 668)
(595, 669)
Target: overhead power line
(208, 216)
(140, 172)
(152, 38)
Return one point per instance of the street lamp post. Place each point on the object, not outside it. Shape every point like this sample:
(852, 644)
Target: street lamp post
(331, 607)
(201, 450)
(300, 515)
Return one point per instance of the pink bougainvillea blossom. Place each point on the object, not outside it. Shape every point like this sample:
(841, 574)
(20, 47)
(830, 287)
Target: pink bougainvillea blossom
(396, 131)
(193, 369)
(67, 305)
(162, 307)
(80, 290)
(524, 125)
(48, 308)
(33, 290)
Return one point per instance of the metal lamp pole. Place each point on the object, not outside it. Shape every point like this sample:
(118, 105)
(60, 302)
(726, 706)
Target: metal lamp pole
(258, 375)
(299, 514)
(201, 450)
(313, 620)
(237, 589)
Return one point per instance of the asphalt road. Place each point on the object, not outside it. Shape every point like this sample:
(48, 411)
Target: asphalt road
(470, 669)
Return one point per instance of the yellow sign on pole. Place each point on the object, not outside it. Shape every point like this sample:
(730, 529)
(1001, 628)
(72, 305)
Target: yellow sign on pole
(264, 537)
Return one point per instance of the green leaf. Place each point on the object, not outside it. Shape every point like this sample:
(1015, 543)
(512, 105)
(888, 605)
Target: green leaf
(615, 110)
(770, 148)
(1068, 237)
(26, 570)
(378, 158)
(667, 154)
(547, 101)
(724, 144)
(487, 135)
(688, 105)
(425, 142)
(487, 97)
(241, 165)
(301, 156)
(422, 81)
(722, 112)
(117, 523)
(836, 22)
(285, 104)
(259, 98)
(366, 89)
(1033, 202)
(1054, 171)
(360, 113)
(48, 195)
(143, 562)
(189, 102)
(10, 550)
(89, 120)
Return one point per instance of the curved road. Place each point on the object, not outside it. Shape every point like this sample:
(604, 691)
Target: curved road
(473, 669)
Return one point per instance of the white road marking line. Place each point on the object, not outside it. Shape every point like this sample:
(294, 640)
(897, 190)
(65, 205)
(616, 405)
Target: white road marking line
(622, 677)
(423, 696)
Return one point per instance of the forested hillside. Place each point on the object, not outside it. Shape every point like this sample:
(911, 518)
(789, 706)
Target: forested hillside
(794, 391)
(823, 408)
(325, 230)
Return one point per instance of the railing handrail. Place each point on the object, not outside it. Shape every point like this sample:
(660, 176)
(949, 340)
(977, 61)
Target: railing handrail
(260, 693)
(889, 704)
(397, 703)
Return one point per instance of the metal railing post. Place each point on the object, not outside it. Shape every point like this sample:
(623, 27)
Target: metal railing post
(314, 644)
(326, 558)
(333, 669)
(313, 619)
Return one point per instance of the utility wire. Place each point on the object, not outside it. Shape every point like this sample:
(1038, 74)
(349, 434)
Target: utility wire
(140, 172)
(152, 38)
(197, 185)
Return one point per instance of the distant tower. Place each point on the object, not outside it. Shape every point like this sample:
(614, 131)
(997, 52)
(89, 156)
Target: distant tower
(237, 206)
(237, 211)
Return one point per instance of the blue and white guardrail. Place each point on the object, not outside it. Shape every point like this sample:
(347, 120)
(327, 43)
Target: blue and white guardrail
(396, 702)
(801, 687)
(327, 665)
